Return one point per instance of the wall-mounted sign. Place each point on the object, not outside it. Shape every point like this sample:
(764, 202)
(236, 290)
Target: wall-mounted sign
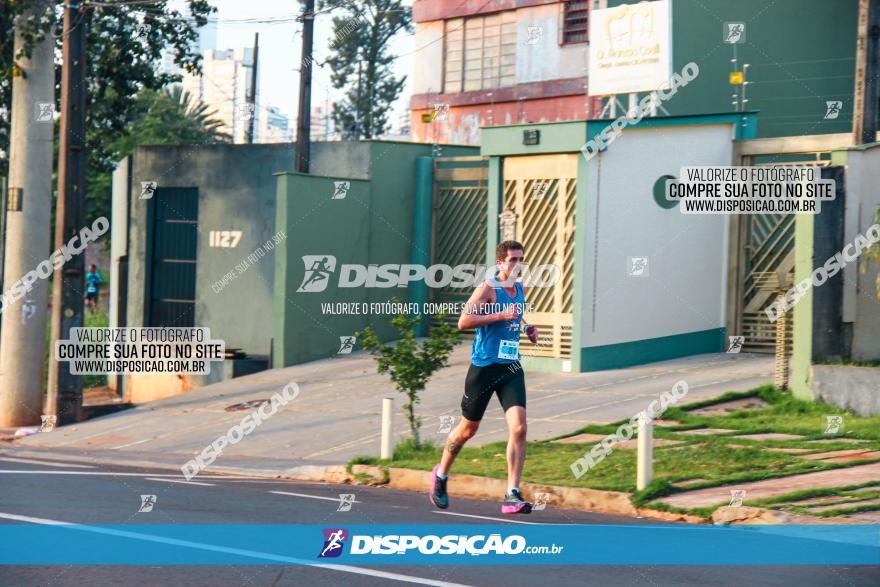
(227, 239)
(630, 48)
(531, 136)
(507, 224)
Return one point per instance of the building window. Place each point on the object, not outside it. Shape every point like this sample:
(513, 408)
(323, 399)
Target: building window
(480, 53)
(574, 21)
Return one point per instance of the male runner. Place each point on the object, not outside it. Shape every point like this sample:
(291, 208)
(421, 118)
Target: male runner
(495, 310)
(93, 285)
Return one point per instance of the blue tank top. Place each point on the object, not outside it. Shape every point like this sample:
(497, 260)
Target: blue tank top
(489, 344)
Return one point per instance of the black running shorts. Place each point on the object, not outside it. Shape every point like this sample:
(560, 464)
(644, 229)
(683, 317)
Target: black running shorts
(507, 380)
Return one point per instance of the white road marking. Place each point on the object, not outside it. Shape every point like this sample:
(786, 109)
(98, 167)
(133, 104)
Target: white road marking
(491, 518)
(132, 443)
(251, 480)
(46, 463)
(238, 551)
(167, 480)
(111, 474)
(311, 496)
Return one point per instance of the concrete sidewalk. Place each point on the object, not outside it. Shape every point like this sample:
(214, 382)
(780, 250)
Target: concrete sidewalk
(774, 487)
(337, 414)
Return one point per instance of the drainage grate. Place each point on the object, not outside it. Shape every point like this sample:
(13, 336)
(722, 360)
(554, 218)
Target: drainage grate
(250, 405)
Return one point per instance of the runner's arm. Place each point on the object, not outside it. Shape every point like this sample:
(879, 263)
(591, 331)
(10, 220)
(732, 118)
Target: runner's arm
(471, 319)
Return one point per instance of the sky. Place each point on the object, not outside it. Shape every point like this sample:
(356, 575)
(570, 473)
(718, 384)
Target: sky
(280, 49)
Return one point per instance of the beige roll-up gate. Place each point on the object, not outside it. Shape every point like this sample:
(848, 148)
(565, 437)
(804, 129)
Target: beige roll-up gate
(538, 207)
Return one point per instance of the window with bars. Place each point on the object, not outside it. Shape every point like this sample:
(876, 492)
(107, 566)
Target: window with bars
(574, 21)
(480, 52)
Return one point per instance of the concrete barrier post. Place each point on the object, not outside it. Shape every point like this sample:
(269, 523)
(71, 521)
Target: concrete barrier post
(645, 461)
(387, 450)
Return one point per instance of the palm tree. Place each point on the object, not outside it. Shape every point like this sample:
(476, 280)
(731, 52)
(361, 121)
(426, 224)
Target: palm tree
(197, 113)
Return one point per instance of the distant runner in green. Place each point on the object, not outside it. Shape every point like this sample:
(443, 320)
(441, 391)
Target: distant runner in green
(93, 288)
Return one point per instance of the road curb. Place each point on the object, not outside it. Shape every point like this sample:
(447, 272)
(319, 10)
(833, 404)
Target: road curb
(321, 473)
(593, 500)
(577, 498)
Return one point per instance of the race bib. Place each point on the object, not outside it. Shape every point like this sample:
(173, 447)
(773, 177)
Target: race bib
(509, 349)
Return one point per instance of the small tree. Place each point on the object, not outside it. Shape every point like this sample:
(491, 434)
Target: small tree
(409, 364)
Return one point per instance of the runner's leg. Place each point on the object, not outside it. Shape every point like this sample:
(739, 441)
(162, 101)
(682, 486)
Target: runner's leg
(512, 394)
(516, 444)
(455, 441)
(479, 387)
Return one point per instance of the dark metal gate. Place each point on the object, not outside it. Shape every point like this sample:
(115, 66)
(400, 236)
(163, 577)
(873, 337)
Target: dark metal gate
(460, 219)
(172, 289)
(769, 252)
(762, 245)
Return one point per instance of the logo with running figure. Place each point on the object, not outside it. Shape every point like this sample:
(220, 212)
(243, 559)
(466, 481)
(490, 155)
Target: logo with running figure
(334, 541)
(346, 345)
(736, 344)
(447, 423)
(637, 266)
(736, 497)
(319, 268)
(340, 189)
(833, 424)
(345, 502)
(147, 503)
(832, 109)
(47, 423)
(734, 32)
(541, 501)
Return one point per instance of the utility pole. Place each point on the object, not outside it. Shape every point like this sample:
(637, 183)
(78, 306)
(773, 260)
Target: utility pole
(252, 100)
(29, 200)
(65, 389)
(867, 73)
(304, 116)
(357, 109)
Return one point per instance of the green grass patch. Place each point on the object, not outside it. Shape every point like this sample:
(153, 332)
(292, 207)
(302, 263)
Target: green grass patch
(549, 462)
(785, 414)
(98, 319)
(847, 494)
(850, 363)
(715, 459)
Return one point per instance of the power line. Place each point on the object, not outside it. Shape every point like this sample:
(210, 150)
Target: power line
(798, 79)
(777, 63)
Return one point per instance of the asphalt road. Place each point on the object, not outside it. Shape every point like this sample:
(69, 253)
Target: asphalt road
(91, 494)
(340, 403)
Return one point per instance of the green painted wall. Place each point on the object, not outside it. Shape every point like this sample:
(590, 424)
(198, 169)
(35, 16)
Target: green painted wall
(495, 194)
(746, 123)
(639, 352)
(555, 137)
(801, 52)
(802, 349)
(316, 225)
(373, 224)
